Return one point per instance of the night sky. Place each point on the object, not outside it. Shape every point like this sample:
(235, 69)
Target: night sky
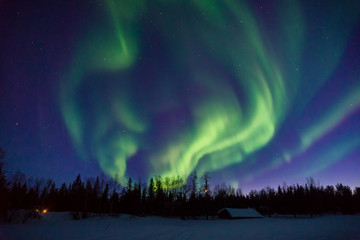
(255, 92)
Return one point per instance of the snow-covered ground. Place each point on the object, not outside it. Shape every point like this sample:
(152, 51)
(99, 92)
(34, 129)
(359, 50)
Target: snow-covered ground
(60, 226)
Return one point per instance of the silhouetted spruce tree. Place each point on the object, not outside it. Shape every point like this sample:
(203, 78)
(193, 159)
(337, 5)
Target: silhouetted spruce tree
(312, 196)
(88, 196)
(129, 186)
(50, 201)
(77, 194)
(206, 191)
(104, 199)
(343, 197)
(95, 195)
(62, 199)
(356, 201)
(143, 200)
(329, 199)
(114, 202)
(126, 200)
(194, 186)
(159, 197)
(151, 197)
(290, 195)
(193, 206)
(279, 207)
(33, 195)
(137, 198)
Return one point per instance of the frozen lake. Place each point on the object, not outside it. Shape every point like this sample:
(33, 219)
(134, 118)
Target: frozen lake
(60, 226)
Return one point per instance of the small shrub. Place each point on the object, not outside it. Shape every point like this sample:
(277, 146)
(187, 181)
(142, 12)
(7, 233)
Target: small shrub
(75, 215)
(84, 215)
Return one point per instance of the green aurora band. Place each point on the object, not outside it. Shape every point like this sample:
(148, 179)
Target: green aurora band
(241, 107)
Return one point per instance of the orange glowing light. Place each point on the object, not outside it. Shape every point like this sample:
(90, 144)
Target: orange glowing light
(45, 210)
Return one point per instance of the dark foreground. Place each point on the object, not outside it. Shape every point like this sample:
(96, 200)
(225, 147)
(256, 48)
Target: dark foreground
(60, 226)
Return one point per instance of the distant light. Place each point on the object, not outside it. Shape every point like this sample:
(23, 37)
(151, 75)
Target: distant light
(45, 210)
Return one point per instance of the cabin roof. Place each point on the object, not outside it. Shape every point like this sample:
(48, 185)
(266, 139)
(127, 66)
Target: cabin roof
(241, 212)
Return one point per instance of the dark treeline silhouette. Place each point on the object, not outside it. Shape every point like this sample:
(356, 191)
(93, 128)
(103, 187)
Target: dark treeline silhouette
(170, 196)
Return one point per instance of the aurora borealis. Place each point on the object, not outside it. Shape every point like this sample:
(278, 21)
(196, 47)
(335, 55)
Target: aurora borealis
(254, 92)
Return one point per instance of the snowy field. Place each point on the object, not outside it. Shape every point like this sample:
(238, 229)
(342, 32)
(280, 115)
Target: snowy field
(60, 226)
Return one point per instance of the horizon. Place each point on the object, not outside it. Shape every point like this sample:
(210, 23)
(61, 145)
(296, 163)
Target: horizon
(245, 191)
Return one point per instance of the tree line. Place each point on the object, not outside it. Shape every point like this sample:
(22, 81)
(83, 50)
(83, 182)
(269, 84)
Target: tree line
(165, 196)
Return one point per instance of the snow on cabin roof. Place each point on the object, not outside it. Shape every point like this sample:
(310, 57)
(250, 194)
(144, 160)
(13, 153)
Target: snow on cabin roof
(241, 212)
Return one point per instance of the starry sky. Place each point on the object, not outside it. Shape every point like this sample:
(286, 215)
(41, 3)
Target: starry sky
(255, 92)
